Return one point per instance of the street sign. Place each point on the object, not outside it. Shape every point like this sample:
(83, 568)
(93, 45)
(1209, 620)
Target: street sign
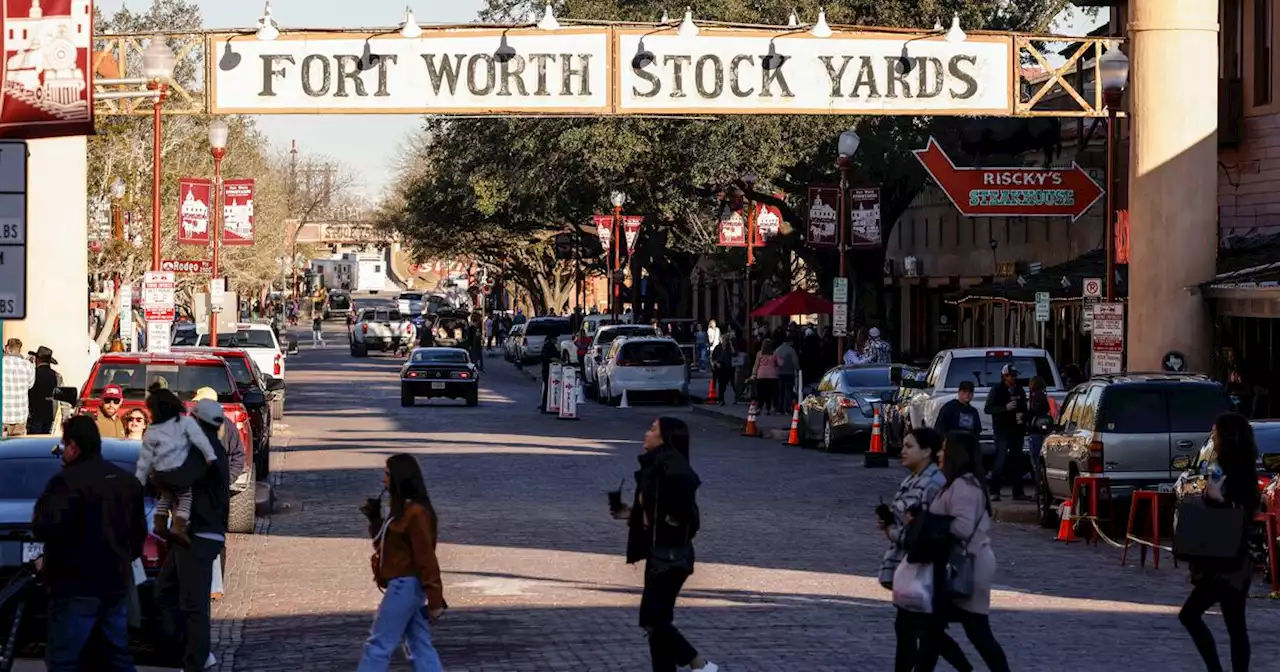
(1042, 306)
(840, 320)
(157, 296)
(187, 265)
(840, 290)
(1092, 297)
(1011, 192)
(1108, 338)
(13, 230)
(126, 313)
(1174, 362)
(217, 291)
(158, 337)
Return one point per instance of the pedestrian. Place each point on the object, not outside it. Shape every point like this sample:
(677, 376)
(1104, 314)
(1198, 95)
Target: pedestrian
(877, 350)
(186, 578)
(959, 415)
(1231, 481)
(90, 519)
(916, 492)
(855, 354)
(713, 335)
(165, 447)
(662, 523)
(722, 369)
(213, 420)
(405, 568)
(765, 373)
(1039, 415)
(549, 354)
(317, 330)
(788, 366)
(519, 318)
(1006, 403)
(19, 376)
(110, 423)
(43, 407)
(135, 424)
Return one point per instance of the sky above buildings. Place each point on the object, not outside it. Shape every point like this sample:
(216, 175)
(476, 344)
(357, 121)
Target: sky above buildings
(367, 144)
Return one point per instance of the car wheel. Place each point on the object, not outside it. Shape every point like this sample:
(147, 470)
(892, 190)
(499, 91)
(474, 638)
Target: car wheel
(406, 397)
(613, 401)
(1044, 502)
(262, 460)
(473, 399)
(828, 441)
(240, 519)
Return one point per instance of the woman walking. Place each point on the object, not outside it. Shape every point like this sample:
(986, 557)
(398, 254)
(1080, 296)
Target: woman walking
(1232, 482)
(662, 522)
(766, 375)
(964, 499)
(405, 568)
(722, 369)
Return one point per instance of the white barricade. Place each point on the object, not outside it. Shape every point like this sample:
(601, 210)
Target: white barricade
(569, 400)
(554, 389)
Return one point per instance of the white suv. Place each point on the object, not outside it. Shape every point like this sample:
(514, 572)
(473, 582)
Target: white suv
(644, 366)
(604, 337)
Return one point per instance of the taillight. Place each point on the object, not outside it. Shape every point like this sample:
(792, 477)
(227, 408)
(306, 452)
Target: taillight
(152, 552)
(1095, 457)
(364, 328)
(461, 374)
(279, 364)
(413, 374)
(846, 402)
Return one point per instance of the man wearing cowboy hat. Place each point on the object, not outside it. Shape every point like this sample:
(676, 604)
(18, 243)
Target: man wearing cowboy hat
(40, 397)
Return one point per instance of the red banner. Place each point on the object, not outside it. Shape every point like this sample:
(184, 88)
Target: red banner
(864, 217)
(48, 77)
(194, 205)
(237, 212)
(823, 216)
(768, 223)
(631, 227)
(733, 230)
(1122, 238)
(604, 229)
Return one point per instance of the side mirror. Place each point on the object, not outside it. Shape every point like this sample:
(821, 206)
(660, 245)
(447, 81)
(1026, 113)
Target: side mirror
(1271, 462)
(274, 384)
(1182, 462)
(67, 395)
(254, 398)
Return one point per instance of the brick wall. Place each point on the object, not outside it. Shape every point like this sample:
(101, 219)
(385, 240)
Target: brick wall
(1249, 181)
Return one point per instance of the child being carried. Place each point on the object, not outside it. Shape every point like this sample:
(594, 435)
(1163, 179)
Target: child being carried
(165, 447)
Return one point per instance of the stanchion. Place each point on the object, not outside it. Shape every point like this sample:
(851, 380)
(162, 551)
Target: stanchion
(793, 439)
(569, 400)
(751, 429)
(554, 389)
(875, 455)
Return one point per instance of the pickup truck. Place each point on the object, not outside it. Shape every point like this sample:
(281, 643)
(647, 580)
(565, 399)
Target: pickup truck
(381, 329)
(924, 397)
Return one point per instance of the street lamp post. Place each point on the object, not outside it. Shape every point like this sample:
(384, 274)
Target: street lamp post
(1113, 69)
(117, 210)
(749, 179)
(158, 62)
(847, 146)
(218, 131)
(618, 199)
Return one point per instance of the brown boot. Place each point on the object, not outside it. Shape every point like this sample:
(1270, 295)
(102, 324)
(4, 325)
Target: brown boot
(160, 525)
(179, 531)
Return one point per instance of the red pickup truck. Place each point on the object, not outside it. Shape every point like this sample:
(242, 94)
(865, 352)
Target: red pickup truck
(182, 374)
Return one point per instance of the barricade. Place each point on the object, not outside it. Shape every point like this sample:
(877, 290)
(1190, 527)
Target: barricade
(569, 396)
(554, 390)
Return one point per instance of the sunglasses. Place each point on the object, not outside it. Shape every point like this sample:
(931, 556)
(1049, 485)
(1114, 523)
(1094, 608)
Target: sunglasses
(137, 418)
(111, 401)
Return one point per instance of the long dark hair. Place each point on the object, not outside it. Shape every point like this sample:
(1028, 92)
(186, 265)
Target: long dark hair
(963, 456)
(1237, 455)
(406, 485)
(164, 405)
(674, 433)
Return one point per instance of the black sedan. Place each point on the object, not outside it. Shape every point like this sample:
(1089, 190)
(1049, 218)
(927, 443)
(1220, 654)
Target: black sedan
(26, 465)
(843, 407)
(439, 372)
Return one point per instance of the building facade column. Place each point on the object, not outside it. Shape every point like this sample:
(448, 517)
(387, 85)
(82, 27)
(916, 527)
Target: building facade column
(1173, 184)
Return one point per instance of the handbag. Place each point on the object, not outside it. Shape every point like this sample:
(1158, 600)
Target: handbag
(928, 538)
(913, 586)
(960, 569)
(1207, 532)
(668, 558)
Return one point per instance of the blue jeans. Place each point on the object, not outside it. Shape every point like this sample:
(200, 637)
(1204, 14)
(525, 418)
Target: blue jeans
(72, 620)
(1034, 443)
(401, 616)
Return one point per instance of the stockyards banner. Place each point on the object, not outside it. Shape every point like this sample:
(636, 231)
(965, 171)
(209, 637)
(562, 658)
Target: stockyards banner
(194, 206)
(823, 218)
(768, 222)
(237, 212)
(614, 70)
(631, 227)
(48, 88)
(733, 230)
(864, 217)
(604, 229)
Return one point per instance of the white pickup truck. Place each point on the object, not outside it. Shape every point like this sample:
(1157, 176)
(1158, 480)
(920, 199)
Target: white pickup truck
(941, 381)
(381, 329)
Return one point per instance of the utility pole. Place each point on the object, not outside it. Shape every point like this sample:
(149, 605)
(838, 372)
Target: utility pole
(293, 204)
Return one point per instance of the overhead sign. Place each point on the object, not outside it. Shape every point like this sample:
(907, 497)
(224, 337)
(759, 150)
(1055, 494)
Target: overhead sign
(187, 265)
(631, 228)
(1042, 306)
(13, 230)
(48, 90)
(1092, 297)
(604, 229)
(1108, 338)
(1011, 192)
(157, 296)
(195, 198)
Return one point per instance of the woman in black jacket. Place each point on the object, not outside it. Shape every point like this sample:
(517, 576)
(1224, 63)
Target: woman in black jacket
(662, 522)
(1234, 483)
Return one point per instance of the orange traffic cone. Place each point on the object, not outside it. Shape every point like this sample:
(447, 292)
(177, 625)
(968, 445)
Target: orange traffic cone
(875, 456)
(711, 393)
(793, 439)
(750, 429)
(1066, 526)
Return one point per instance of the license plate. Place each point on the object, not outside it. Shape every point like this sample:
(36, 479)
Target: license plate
(31, 551)
(1164, 487)
(437, 386)
(650, 369)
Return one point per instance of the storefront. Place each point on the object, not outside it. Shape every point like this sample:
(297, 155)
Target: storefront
(1246, 338)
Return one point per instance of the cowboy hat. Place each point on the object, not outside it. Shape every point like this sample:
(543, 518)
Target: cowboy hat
(43, 353)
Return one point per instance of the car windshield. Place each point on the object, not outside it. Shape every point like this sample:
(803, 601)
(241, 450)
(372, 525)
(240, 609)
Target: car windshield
(985, 371)
(609, 335)
(871, 377)
(243, 338)
(339, 302)
(183, 337)
(25, 478)
(440, 357)
(410, 297)
(382, 316)
(239, 370)
(547, 328)
(182, 379)
(652, 353)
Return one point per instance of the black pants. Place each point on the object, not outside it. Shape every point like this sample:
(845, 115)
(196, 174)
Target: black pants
(667, 647)
(977, 627)
(39, 426)
(182, 589)
(1010, 463)
(766, 392)
(1232, 602)
(911, 628)
(724, 379)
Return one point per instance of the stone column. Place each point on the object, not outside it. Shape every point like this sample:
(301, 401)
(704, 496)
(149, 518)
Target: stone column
(1173, 184)
(57, 256)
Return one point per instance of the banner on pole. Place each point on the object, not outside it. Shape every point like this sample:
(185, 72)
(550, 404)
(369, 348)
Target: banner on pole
(864, 217)
(195, 197)
(48, 87)
(823, 217)
(733, 230)
(768, 223)
(631, 227)
(604, 230)
(237, 212)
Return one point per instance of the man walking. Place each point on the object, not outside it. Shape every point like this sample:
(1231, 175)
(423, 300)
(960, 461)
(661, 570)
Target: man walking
(90, 518)
(317, 330)
(40, 397)
(19, 377)
(1005, 404)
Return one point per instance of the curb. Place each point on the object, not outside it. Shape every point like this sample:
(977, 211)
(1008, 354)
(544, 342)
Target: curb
(1015, 512)
(696, 407)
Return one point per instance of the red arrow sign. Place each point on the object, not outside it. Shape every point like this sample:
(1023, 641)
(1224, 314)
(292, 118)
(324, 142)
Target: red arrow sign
(1011, 192)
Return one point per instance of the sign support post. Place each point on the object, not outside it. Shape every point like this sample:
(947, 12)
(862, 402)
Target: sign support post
(1042, 313)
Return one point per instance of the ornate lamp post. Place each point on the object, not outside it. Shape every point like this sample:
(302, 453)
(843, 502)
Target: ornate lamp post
(1114, 71)
(847, 146)
(618, 199)
(157, 66)
(218, 131)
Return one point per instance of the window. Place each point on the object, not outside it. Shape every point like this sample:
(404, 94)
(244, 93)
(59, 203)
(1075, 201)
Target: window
(608, 335)
(548, 328)
(25, 478)
(181, 379)
(440, 357)
(1193, 408)
(651, 353)
(926, 233)
(1263, 17)
(828, 383)
(240, 370)
(1068, 413)
(870, 377)
(244, 338)
(1231, 39)
(1087, 412)
(985, 371)
(1134, 409)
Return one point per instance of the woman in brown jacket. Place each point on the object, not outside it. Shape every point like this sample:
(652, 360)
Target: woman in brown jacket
(406, 569)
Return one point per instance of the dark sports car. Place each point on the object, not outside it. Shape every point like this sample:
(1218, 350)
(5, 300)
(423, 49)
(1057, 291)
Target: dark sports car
(439, 372)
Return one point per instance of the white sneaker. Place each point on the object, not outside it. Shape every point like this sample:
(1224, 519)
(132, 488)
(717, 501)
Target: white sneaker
(709, 667)
(211, 661)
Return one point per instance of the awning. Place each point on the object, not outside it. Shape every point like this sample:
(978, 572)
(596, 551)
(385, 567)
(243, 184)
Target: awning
(1063, 282)
(798, 302)
(1247, 272)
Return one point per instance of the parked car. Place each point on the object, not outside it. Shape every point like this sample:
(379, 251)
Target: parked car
(380, 329)
(266, 349)
(338, 305)
(439, 372)
(1132, 428)
(514, 345)
(26, 465)
(649, 367)
(249, 378)
(182, 374)
(537, 330)
(843, 408)
(604, 337)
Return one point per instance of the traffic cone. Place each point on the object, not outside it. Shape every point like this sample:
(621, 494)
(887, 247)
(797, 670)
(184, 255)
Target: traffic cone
(750, 429)
(875, 455)
(711, 393)
(793, 439)
(624, 403)
(1066, 526)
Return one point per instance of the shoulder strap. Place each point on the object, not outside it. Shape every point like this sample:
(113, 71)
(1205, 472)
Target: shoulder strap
(976, 520)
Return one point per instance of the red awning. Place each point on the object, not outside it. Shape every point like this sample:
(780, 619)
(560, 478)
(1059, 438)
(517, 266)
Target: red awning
(798, 302)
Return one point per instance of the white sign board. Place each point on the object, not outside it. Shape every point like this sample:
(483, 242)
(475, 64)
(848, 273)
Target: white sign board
(840, 290)
(158, 288)
(217, 293)
(126, 314)
(1092, 297)
(840, 320)
(13, 230)
(1042, 306)
(1108, 338)
(159, 337)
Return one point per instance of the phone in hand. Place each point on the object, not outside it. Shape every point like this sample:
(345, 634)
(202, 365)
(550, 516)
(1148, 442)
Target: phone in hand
(884, 513)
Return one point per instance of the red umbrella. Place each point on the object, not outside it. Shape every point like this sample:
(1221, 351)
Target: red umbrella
(798, 302)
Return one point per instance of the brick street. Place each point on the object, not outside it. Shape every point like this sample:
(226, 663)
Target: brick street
(533, 564)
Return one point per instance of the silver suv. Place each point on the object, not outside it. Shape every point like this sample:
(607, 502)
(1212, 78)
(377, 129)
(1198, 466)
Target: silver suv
(1130, 428)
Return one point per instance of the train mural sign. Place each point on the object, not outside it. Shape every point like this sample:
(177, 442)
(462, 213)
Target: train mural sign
(1011, 192)
(48, 89)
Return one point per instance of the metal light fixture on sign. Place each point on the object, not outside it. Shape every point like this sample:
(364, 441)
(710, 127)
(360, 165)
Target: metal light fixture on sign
(117, 188)
(772, 60)
(937, 26)
(643, 58)
(1114, 67)
(665, 18)
(954, 33)
(821, 29)
(218, 133)
(230, 59)
(618, 199)
(1066, 284)
(158, 60)
(505, 52)
(410, 29)
(548, 21)
(903, 65)
(793, 20)
(687, 27)
(848, 144)
(267, 29)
